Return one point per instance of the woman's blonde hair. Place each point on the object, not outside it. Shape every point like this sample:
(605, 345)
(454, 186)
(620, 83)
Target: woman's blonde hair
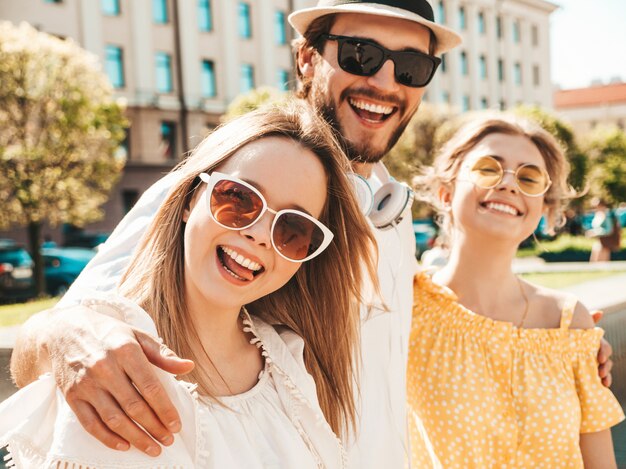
(320, 302)
(447, 164)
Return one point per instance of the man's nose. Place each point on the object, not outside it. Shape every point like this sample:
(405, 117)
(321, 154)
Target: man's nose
(385, 79)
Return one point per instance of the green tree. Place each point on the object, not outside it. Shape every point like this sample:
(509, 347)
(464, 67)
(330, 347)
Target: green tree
(59, 132)
(252, 100)
(577, 158)
(607, 152)
(418, 146)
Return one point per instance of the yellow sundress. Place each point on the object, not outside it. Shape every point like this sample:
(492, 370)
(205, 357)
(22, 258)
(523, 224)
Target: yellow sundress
(485, 394)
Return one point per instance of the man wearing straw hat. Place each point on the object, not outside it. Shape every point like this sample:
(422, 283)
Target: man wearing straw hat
(365, 66)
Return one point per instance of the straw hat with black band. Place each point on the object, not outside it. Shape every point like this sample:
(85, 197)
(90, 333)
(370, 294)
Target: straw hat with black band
(418, 11)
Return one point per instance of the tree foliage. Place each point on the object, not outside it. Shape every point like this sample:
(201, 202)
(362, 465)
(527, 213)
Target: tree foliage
(577, 158)
(252, 100)
(59, 131)
(607, 152)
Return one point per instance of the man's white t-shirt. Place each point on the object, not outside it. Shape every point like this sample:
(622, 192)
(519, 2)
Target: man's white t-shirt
(381, 439)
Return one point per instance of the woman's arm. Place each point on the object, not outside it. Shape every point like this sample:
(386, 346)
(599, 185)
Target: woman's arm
(597, 450)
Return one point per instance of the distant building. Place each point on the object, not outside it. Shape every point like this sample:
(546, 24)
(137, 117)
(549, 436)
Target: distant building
(179, 63)
(586, 108)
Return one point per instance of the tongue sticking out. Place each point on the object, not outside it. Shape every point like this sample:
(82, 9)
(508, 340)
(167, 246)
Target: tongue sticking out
(240, 270)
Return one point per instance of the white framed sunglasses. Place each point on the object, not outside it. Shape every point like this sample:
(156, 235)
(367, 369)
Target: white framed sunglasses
(236, 205)
(487, 172)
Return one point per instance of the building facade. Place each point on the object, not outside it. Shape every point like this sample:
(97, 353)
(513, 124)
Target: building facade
(179, 63)
(587, 108)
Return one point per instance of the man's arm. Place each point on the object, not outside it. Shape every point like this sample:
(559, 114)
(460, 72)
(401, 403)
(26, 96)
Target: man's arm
(605, 364)
(102, 366)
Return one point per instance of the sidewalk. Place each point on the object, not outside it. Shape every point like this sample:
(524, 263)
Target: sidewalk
(607, 294)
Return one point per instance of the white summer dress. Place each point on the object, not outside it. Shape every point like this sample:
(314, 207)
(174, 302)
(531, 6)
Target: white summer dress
(276, 424)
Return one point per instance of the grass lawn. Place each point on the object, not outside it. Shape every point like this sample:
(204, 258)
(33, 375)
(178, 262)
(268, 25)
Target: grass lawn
(12, 315)
(566, 279)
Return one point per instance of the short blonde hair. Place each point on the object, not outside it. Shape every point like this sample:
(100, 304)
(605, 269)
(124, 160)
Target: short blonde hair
(448, 162)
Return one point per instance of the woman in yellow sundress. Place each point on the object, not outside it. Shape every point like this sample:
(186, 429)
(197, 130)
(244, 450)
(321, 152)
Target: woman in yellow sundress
(502, 373)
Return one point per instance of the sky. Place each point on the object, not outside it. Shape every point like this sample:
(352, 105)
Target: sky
(588, 42)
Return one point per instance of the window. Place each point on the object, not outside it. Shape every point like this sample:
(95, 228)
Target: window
(500, 70)
(245, 25)
(516, 32)
(442, 13)
(445, 97)
(502, 105)
(518, 73)
(481, 23)
(280, 30)
(536, 75)
(209, 87)
(114, 65)
(111, 7)
(123, 151)
(54, 1)
(484, 103)
(466, 103)
(159, 11)
(129, 199)
(535, 35)
(164, 72)
(464, 68)
(282, 77)
(483, 66)
(462, 20)
(168, 140)
(443, 63)
(205, 19)
(499, 27)
(247, 78)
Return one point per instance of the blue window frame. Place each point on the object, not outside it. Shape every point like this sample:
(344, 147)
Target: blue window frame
(466, 103)
(53, 1)
(280, 29)
(442, 13)
(500, 70)
(464, 67)
(499, 27)
(209, 86)
(282, 78)
(246, 82)
(114, 65)
(163, 72)
(516, 32)
(159, 11)
(444, 65)
(245, 23)
(481, 23)
(462, 19)
(445, 97)
(205, 18)
(111, 7)
(168, 139)
(484, 103)
(518, 73)
(483, 66)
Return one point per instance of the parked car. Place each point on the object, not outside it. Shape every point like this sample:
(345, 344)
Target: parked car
(86, 240)
(62, 266)
(16, 272)
(425, 233)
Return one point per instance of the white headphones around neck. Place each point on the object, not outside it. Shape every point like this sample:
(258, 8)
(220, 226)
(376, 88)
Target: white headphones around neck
(385, 207)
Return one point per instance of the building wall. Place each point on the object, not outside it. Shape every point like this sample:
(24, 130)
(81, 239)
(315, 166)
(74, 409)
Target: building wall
(139, 37)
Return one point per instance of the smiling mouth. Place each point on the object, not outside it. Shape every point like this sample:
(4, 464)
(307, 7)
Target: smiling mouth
(374, 113)
(502, 208)
(237, 265)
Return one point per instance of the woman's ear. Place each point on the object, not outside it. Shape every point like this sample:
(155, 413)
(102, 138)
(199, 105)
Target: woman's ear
(305, 59)
(444, 194)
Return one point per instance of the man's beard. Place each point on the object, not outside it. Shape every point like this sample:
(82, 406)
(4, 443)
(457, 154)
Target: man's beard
(361, 152)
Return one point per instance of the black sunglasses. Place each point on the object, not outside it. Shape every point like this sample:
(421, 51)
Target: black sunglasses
(364, 58)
